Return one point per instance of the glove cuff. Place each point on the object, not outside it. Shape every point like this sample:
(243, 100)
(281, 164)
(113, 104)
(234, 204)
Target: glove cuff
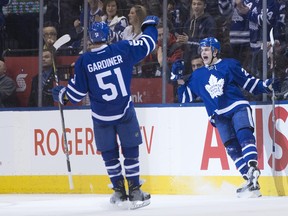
(147, 23)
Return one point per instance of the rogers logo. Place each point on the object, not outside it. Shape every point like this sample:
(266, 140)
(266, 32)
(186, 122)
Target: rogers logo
(21, 83)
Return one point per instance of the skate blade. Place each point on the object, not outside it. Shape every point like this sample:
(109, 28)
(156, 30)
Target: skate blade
(139, 204)
(249, 194)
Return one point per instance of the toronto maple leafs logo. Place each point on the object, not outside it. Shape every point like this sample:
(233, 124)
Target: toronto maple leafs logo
(215, 86)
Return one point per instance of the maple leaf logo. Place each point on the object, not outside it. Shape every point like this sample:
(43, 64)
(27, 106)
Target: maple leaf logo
(215, 86)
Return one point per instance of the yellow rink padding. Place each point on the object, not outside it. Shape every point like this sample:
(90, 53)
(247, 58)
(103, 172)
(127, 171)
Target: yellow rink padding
(87, 184)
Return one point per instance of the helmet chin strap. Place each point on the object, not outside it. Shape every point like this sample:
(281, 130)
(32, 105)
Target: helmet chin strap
(212, 51)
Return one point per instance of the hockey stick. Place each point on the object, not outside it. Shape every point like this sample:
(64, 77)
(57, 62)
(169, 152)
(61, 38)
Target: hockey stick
(273, 99)
(60, 42)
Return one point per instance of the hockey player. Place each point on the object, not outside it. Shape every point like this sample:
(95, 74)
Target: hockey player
(105, 74)
(217, 83)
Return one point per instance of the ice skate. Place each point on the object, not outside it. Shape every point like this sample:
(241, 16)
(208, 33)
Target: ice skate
(248, 190)
(119, 197)
(251, 187)
(137, 197)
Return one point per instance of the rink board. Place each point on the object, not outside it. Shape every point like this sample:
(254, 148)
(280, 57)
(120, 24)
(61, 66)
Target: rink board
(181, 152)
(185, 185)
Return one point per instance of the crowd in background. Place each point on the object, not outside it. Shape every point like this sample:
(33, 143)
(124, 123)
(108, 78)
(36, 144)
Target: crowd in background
(236, 23)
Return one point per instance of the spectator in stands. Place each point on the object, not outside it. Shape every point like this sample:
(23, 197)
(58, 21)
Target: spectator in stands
(196, 62)
(256, 36)
(174, 51)
(2, 22)
(136, 16)
(114, 19)
(133, 31)
(7, 88)
(240, 35)
(2, 19)
(47, 81)
(51, 11)
(281, 52)
(49, 34)
(89, 46)
(201, 25)
(286, 21)
(177, 15)
(282, 22)
(256, 30)
(153, 7)
(221, 11)
(63, 12)
(284, 87)
(95, 13)
(281, 43)
(278, 64)
(22, 24)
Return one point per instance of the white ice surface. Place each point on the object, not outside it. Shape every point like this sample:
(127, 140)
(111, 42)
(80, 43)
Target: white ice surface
(182, 205)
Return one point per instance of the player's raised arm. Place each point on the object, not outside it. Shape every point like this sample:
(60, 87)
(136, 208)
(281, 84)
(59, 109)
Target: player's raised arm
(143, 46)
(250, 83)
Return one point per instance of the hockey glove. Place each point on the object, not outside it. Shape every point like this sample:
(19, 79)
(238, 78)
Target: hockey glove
(149, 21)
(272, 84)
(177, 70)
(59, 94)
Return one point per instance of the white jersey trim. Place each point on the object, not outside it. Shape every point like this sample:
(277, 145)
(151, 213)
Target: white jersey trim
(232, 106)
(114, 117)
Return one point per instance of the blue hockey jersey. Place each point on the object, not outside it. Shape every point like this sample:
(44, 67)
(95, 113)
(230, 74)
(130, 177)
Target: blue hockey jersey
(105, 74)
(219, 86)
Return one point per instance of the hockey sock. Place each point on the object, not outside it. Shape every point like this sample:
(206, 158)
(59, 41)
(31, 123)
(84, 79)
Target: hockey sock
(113, 166)
(234, 150)
(131, 164)
(247, 142)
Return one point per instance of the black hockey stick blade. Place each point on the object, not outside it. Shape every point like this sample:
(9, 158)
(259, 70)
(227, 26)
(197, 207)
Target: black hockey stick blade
(61, 41)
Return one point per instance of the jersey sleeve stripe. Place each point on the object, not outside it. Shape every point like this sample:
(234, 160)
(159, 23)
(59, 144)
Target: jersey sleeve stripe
(73, 98)
(254, 86)
(75, 91)
(147, 39)
(183, 98)
(246, 83)
(189, 94)
(150, 38)
(147, 45)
